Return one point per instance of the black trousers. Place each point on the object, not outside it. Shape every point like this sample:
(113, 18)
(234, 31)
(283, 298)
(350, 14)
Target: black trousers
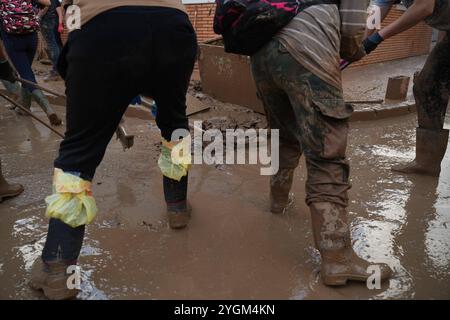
(114, 57)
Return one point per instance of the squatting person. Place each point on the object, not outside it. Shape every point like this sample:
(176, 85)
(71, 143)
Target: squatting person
(298, 78)
(106, 63)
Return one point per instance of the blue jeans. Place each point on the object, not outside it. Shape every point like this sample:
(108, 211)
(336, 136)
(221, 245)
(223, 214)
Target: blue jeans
(48, 27)
(21, 49)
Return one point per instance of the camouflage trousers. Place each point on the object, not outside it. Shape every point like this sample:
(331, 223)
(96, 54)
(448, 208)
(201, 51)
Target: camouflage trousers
(312, 119)
(432, 87)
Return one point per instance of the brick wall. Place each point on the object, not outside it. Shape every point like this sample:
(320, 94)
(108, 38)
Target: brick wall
(413, 42)
(201, 16)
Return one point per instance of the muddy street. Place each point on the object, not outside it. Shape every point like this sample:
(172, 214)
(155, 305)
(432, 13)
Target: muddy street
(234, 248)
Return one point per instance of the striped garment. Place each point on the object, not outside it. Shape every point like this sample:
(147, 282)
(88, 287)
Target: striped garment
(320, 35)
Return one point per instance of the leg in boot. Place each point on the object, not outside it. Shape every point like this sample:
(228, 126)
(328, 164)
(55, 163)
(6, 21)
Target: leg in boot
(15, 91)
(280, 187)
(280, 116)
(25, 101)
(43, 102)
(170, 96)
(431, 92)
(326, 194)
(8, 190)
(281, 182)
(61, 250)
(332, 238)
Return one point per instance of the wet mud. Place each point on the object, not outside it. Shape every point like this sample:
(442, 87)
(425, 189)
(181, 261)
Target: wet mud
(234, 248)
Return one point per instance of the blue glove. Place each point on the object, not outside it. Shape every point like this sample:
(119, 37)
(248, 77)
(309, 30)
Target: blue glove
(372, 42)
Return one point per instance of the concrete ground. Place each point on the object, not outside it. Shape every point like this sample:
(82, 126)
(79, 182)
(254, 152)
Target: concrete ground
(234, 248)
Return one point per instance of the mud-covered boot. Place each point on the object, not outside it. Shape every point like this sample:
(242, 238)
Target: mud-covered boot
(280, 186)
(332, 238)
(179, 215)
(178, 208)
(51, 278)
(8, 190)
(43, 102)
(430, 150)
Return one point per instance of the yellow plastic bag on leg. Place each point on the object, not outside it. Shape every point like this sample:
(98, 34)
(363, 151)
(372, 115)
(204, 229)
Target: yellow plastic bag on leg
(72, 201)
(175, 158)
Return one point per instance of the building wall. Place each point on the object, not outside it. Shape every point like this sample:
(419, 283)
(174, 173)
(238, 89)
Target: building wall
(201, 16)
(413, 42)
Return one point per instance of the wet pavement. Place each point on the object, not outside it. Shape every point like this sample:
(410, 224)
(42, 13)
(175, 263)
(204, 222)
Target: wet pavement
(234, 248)
(369, 82)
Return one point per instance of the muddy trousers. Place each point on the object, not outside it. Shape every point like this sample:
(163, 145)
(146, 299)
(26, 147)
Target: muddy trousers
(291, 106)
(116, 56)
(432, 87)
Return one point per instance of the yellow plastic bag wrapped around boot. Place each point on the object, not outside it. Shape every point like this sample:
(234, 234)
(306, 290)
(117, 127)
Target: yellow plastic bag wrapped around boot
(72, 201)
(175, 158)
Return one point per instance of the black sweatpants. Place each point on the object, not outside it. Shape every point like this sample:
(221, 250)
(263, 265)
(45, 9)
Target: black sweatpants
(114, 57)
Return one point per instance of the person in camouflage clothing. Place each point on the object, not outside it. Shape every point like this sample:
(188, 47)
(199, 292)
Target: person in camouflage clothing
(298, 78)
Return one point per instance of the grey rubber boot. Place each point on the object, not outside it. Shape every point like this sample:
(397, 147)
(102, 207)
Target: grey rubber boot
(43, 102)
(25, 101)
(332, 238)
(430, 150)
(15, 90)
